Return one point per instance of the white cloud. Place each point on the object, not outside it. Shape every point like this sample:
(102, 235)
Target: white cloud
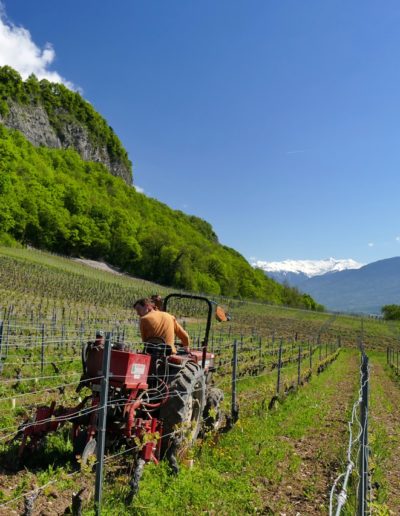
(19, 51)
(371, 244)
(397, 239)
(139, 189)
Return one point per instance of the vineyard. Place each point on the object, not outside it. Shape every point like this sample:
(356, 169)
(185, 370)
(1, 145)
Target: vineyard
(289, 439)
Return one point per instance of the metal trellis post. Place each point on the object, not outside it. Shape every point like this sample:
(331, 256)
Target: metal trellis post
(102, 419)
(234, 405)
(363, 466)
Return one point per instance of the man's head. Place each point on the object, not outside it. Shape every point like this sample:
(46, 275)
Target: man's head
(143, 306)
(157, 301)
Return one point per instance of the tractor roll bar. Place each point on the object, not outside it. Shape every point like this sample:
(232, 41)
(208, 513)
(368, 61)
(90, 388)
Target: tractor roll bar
(209, 316)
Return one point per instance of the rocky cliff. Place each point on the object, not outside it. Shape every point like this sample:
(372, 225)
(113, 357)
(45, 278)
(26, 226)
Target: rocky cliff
(50, 115)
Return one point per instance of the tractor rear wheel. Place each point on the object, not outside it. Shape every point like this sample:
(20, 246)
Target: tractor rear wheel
(213, 415)
(83, 448)
(183, 412)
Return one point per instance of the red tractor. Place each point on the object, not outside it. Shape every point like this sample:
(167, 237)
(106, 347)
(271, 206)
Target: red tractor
(156, 404)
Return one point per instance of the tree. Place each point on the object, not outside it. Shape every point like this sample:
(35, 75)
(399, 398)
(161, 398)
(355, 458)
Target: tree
(391, 312)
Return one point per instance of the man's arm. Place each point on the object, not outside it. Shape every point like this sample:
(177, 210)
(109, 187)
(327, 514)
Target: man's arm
(181, 333)
(144, 329)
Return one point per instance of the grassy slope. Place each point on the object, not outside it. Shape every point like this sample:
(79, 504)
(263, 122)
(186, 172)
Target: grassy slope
(68, 265)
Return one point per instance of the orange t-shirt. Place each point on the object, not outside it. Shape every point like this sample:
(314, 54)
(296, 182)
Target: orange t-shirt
(163, 325)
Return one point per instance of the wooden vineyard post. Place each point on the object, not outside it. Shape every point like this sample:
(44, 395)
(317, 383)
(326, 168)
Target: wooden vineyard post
(7, 336)
(62, 336)
(278, 382)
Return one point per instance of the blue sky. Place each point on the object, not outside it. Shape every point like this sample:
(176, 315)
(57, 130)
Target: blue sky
(276, 121)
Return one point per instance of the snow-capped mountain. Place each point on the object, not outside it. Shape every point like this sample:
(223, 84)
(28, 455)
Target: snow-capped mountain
(297, 271)
(364, 290)
(341, 285)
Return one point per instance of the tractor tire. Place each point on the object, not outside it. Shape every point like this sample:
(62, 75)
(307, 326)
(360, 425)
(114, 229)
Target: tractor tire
(134, 481)
(83, 449)
(79, 443)
(213, 415)
(182, 414)
(89, 451)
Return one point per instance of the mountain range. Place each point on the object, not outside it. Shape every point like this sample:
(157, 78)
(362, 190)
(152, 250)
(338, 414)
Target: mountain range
(295, 272)
(355, 288)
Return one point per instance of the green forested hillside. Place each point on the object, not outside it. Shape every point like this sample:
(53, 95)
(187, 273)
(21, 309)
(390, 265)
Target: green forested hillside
(54, 200)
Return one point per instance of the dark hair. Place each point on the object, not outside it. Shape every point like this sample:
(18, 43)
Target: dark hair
(157, 301)
(142, 302)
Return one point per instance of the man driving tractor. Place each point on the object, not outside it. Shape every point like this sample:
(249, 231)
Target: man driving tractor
(158, 327)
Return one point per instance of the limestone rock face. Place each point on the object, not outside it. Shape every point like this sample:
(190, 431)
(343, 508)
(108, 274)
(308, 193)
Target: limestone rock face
(34, 124)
